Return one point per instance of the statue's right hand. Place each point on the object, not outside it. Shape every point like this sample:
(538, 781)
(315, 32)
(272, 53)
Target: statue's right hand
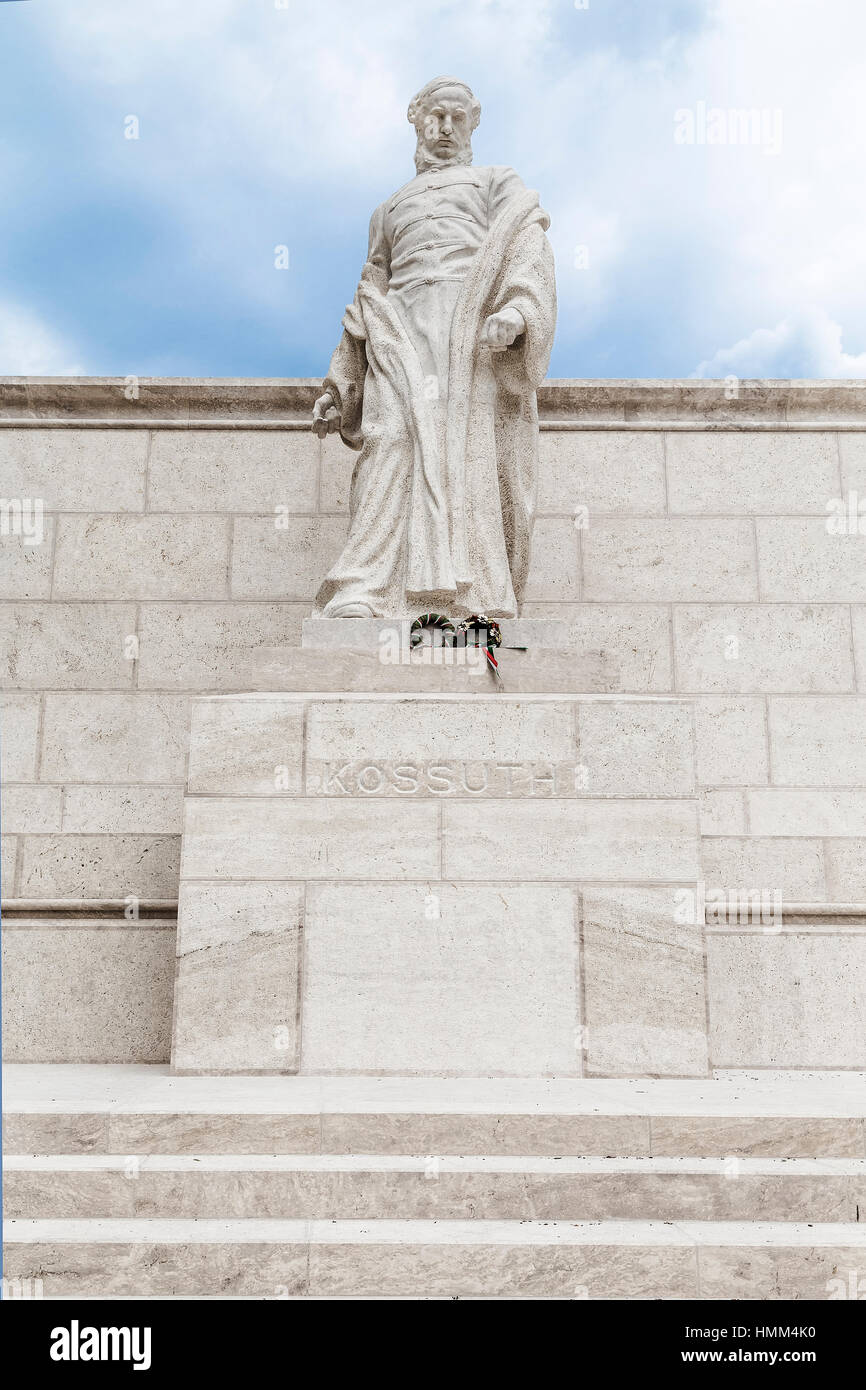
(326, 416)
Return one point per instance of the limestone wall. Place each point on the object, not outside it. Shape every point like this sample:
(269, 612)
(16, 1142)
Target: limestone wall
(189, 525)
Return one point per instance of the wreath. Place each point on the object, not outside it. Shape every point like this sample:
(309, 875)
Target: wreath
(428, 621)
(475, 631)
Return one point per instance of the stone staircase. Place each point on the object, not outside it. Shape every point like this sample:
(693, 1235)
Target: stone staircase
(131, 1182)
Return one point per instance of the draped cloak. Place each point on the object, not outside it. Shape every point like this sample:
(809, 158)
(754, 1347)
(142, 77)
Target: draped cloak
(443, 492)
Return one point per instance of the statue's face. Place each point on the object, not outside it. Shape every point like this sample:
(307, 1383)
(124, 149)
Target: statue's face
(445, 128)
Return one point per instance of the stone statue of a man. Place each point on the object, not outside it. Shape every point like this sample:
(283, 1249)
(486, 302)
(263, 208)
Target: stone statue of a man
(434, 381)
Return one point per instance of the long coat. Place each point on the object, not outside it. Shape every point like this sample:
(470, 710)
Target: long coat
(443, 492)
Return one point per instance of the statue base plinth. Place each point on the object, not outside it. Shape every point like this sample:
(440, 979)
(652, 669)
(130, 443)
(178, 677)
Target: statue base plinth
(370, 654)
(378, 634)
(431, 669)
(470, 882)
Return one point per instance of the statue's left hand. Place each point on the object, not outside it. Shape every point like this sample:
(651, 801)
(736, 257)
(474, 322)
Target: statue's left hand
(326, 415)
(501, 329)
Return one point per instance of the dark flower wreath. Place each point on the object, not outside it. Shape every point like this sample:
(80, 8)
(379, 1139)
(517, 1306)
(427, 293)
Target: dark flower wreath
(479, 626)
(476, 631)
(428, 620)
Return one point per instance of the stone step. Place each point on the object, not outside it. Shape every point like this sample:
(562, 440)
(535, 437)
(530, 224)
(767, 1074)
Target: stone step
(537, 670)
(332, 1259)
(371, 1187)
(129, 1110)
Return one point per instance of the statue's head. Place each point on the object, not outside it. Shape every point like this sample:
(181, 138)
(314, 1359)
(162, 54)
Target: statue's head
(444, 114)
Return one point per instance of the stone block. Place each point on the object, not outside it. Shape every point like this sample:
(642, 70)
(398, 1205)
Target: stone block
(336, 465)
(807, 811)
(155, 1268)
(534, 1131)
(801, 561)
(754, 1131)
(8, 861)
(436, 748)
(759, 1271)
(787, 1000)
(793, 869)
(751, 472)
(91, 736)
(252, 747)
(669, 560)
(75, 470)
(818, 742)
(143, 557)
(763, 647)
(430, 670)
(858, 622)
(604, 470)
(636, 749)
(852, 454)
(301, 838)
(210, 646)
(236, 991)
(554, 567)
(19, 736)
(25, 565)
(845, 867)
(99, 866)
(100, 810)
(643, 971)
(501, 1269)
(286, 561)
(88, 993)
(79, 646)
(548, 840)
(441, 978)
(634, 638)
(30, 810)
(232, 471)
(731, 740)
(722, 811)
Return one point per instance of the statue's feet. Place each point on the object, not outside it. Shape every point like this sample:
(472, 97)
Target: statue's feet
(353, 609)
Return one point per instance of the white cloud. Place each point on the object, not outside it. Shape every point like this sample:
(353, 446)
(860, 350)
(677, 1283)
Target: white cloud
(807, 344)
(283, 90)
(28, 347)
(689, 246)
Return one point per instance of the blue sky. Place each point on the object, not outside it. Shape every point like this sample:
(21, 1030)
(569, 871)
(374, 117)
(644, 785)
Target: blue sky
(265, 123)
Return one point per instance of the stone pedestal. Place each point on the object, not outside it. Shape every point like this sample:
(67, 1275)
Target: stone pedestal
(371, 654)
(469, 882)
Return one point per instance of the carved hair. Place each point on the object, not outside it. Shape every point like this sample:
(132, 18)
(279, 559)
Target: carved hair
(422, 100)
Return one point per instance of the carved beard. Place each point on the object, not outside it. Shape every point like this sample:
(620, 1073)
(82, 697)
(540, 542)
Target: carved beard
(424, 160)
